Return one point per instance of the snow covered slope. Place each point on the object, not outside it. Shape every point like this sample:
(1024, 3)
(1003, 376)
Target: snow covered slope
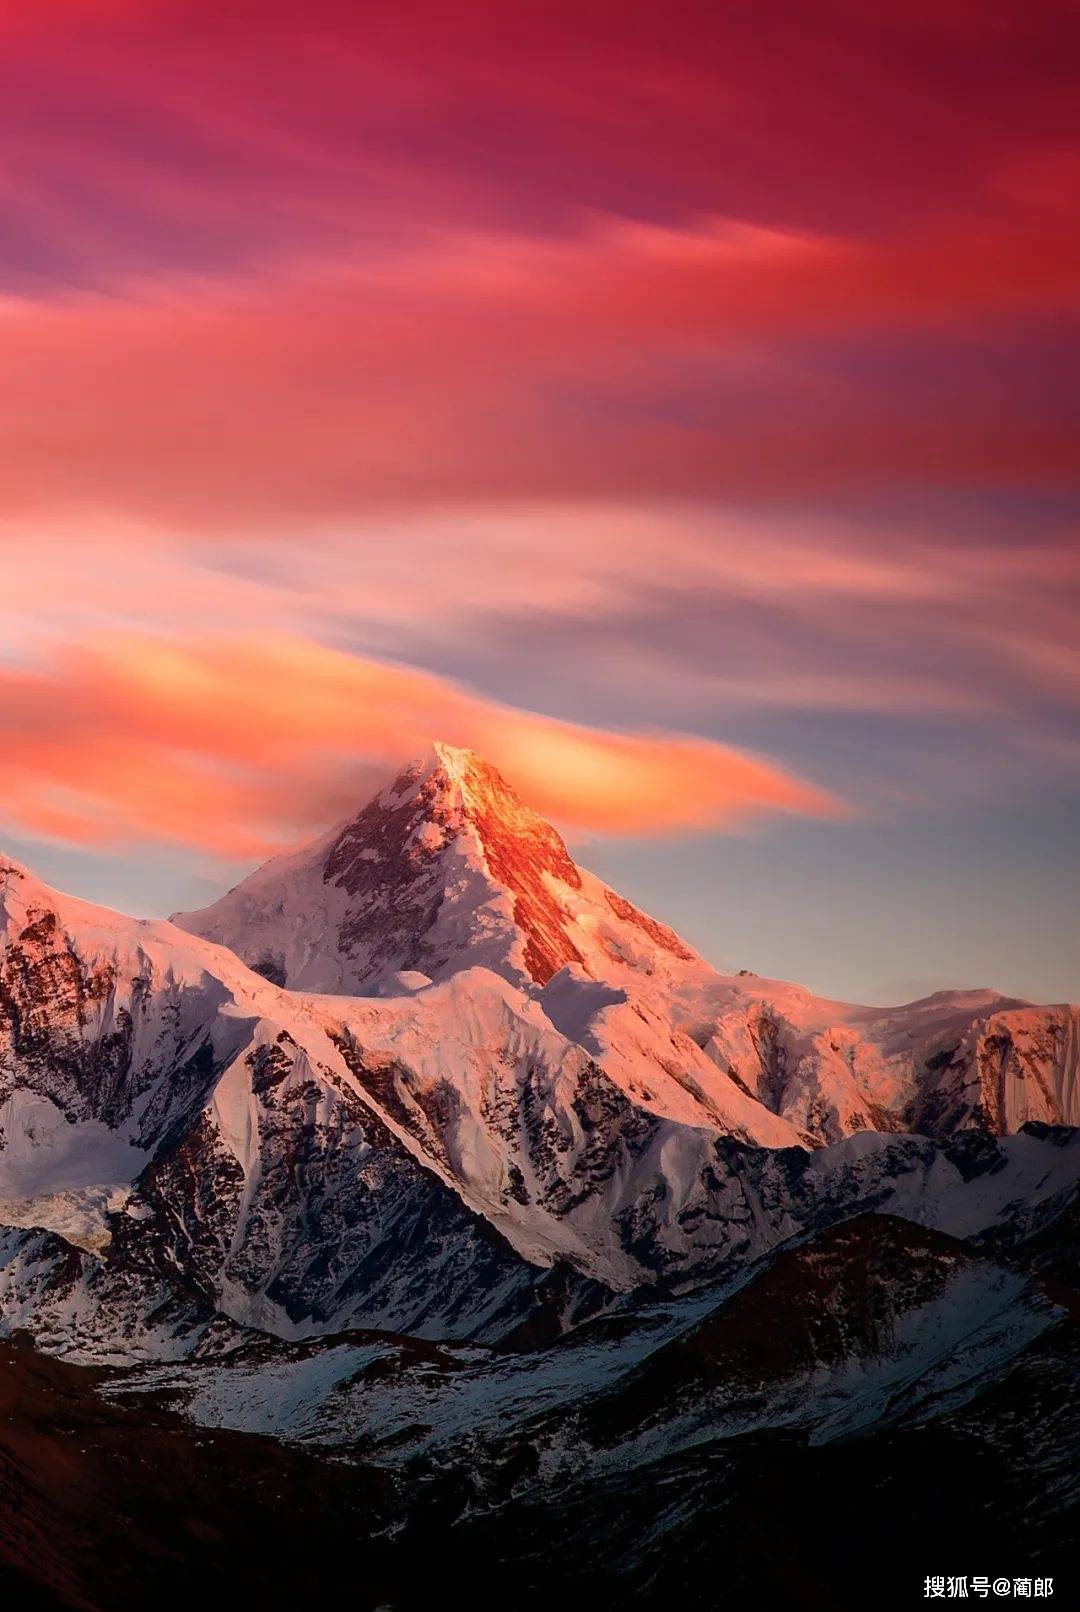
(874, 1321)
(656, 1454)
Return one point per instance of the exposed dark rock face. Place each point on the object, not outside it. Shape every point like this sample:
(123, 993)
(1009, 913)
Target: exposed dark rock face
(658, 933)
(981, 1078)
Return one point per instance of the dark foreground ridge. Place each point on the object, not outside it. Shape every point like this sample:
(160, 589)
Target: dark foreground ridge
(109, 1506)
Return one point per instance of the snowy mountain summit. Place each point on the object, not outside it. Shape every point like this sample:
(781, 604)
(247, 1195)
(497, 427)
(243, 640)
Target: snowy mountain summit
(445, 869)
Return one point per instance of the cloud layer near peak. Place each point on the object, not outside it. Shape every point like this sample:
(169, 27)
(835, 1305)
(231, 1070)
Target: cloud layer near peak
(236, 747)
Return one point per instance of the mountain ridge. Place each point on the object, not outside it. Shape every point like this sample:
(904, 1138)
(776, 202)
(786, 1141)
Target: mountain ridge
(446, 868)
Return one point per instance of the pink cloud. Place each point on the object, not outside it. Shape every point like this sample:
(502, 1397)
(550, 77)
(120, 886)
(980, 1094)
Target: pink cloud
(492, 369)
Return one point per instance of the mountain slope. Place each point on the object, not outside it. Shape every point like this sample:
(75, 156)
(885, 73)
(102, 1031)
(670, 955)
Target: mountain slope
(659, 1453)
(188, 1123)
(872, 1320)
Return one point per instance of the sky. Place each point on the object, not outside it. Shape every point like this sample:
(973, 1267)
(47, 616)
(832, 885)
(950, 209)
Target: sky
(678, 404)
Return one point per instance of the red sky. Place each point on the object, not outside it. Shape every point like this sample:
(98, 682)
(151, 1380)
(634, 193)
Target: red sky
(673, 400)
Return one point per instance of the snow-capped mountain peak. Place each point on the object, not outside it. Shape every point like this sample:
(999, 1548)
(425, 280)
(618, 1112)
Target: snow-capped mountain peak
(445, 868)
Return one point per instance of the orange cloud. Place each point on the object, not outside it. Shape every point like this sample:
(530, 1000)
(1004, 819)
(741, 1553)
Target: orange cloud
(237, 747)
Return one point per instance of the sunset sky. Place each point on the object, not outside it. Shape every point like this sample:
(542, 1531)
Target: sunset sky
(677, 402)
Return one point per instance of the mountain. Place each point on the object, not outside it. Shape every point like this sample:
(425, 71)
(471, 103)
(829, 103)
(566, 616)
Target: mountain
(108, 1506)
(871, 1320)
(447, 870)
(897, 1375)
(633, 1117)
(426, 1151)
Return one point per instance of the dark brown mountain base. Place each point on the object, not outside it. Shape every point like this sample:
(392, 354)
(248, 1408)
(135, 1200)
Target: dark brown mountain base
(106, 1508)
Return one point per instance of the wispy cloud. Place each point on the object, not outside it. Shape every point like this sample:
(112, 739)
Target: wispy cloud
(513, 369)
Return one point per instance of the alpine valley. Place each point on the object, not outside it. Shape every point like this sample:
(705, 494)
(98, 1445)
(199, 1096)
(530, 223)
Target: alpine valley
(423, 1217)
